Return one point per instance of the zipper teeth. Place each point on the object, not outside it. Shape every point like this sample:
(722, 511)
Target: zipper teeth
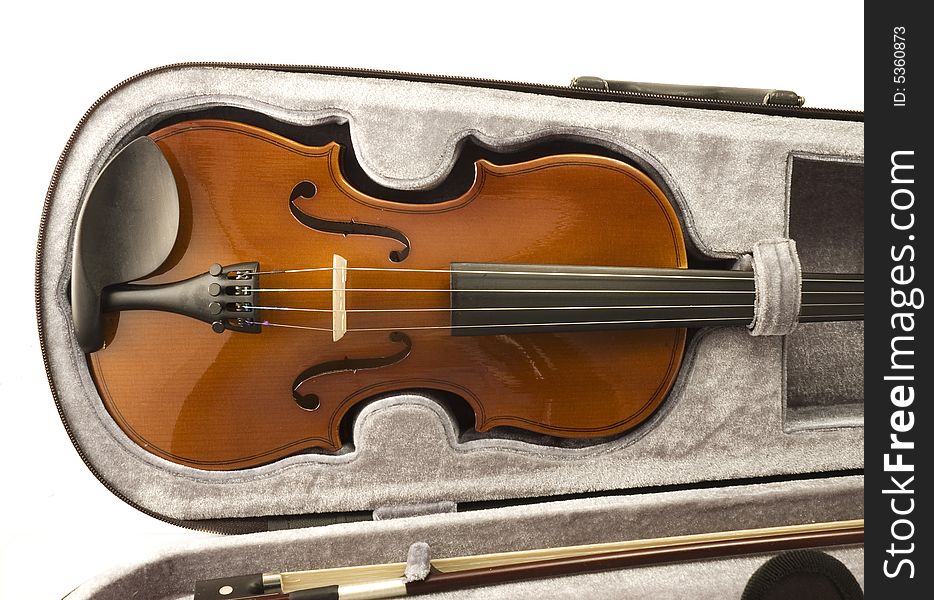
(56, 173)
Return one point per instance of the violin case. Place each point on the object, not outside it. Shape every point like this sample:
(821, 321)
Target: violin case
(757, 431)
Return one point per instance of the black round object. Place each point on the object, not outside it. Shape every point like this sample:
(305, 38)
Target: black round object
(803, 575)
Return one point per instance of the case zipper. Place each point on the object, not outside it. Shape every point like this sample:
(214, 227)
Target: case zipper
(235, 526)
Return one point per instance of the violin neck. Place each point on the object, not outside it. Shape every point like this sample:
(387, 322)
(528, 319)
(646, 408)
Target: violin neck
(492, 299)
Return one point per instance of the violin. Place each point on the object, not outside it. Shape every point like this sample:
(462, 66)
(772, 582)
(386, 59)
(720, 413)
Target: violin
(238, 299)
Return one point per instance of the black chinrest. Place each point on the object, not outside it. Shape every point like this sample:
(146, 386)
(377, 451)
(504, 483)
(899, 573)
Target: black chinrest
(126, 230)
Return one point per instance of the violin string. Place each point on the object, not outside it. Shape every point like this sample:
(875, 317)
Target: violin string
(512, 308)
(524, 325)
(538, 291)
(740, 275)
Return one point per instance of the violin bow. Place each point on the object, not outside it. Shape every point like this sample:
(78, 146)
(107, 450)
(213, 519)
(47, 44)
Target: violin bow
(388, 580)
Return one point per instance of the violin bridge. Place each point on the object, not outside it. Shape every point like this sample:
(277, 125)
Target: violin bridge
(339, 297)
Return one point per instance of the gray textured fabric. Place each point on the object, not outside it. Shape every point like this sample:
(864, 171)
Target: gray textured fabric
(826, 346)
(564, 523)
(824, 361)
(724, 419)
(418, 562)
(778, 287)
(743, 263)
(832, 355)
(825, 212)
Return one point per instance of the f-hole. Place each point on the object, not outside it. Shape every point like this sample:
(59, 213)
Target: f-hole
(307, 189)
(311, 401)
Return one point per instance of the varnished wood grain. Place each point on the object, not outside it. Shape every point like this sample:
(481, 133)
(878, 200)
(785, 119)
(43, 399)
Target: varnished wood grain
(225, 401)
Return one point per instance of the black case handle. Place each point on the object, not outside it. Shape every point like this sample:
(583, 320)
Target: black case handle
(706, 92)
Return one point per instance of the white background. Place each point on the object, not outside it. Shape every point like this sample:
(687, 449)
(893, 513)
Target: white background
(57, 522)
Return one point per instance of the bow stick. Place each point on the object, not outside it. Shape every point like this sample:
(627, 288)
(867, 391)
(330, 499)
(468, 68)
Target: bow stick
(388, 580)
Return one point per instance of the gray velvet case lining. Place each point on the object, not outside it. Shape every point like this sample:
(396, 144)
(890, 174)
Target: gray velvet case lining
(824, 361)
(724, 419)
(565, 523)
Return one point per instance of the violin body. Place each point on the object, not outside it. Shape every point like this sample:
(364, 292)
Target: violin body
(233, 400)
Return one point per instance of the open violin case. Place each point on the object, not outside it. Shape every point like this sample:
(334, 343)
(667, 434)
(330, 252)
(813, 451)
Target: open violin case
(757, 431)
